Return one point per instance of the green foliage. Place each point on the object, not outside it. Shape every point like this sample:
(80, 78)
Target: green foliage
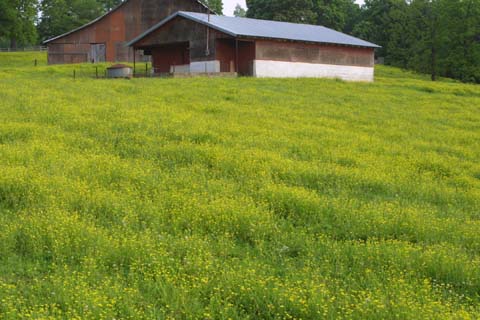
(299, 11)
(17, 22)
(239, 11)
(340, 15)
(214, 5)
(60, 16)
(337, 14)
(237, 198)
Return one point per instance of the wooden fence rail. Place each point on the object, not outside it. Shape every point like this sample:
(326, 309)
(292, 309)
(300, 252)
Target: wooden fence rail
(34, 48)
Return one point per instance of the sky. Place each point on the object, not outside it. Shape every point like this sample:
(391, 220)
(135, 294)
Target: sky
(229, 5)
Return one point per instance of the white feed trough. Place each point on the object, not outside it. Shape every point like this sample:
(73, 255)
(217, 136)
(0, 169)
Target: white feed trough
(119, 71)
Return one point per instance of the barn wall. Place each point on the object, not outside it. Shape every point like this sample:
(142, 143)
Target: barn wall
(284, 69)
(281, 59)
(183, 30)
(225, 54)
(246, 57)
(116, 29)
(314, 53)
(172, 55)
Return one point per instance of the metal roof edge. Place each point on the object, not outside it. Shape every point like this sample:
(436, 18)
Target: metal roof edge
(370, 44)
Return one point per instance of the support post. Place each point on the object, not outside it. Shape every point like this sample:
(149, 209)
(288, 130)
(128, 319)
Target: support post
(236, 56)
(134, 62)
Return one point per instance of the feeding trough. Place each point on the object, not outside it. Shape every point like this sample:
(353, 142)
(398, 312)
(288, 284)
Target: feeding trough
(119, 71)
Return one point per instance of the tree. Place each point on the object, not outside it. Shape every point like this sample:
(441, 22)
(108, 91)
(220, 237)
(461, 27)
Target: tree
(462, 18)
(340, 15)
(60, 16)
(110, 4)
(17, 21)
(300, 11)
(337, 14)
(214, 5)
(427, 21)
(239, 11)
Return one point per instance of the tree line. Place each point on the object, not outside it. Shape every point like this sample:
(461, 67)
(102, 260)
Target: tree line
(439, 37)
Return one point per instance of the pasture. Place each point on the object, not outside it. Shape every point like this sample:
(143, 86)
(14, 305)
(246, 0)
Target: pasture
(237, 198)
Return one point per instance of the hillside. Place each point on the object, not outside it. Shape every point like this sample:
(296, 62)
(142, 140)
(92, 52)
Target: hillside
(237, 198)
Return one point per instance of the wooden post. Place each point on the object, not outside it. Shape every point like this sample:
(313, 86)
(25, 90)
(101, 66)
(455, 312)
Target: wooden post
(35, 62)
(146, 69)
(134, 62)
(96, 72)
(74, 75)
(236, 56)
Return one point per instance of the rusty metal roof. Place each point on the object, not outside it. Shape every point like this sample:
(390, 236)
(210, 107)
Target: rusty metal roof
(255, 28)
(100, 18)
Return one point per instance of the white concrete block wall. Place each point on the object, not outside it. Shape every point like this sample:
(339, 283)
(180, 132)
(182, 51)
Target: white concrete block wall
(205, 66)
(185, 68)
(284, 69)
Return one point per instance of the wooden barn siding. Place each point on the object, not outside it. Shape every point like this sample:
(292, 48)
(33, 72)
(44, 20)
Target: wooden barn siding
(225, 53)
(181, 30)
(115, 29)
(314, 53)
(246, 55)
(171, 55)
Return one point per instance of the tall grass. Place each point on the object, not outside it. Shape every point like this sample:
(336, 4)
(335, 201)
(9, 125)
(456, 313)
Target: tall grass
(237, 198)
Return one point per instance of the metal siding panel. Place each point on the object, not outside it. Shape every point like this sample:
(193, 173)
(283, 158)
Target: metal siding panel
(314, 53)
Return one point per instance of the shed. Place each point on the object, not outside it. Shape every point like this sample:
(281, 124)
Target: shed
(195, 43)
(105, 38)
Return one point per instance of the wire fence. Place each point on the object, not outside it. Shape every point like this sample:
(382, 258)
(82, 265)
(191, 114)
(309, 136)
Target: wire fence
(100, 71)
(24, 49)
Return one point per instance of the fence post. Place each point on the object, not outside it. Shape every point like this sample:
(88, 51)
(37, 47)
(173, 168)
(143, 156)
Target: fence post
(35, 62)
(96, 72)
(74, 75)
(146, 69)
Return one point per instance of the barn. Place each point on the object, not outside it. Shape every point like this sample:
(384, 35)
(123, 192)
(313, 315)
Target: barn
(192, 42)
(105, 38)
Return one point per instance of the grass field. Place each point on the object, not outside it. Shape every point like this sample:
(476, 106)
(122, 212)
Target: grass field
(237, 198)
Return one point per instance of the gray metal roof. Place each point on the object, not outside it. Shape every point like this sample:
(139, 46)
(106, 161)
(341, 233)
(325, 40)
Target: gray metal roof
(238, 27)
